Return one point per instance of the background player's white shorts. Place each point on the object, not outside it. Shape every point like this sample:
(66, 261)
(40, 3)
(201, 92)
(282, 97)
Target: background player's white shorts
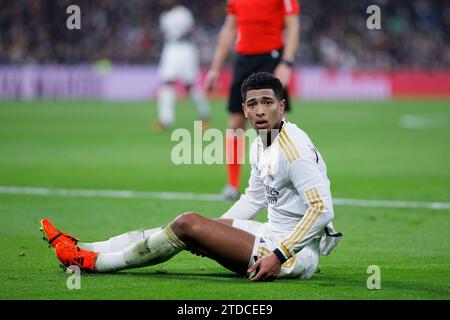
(302, 265)
(179, 61)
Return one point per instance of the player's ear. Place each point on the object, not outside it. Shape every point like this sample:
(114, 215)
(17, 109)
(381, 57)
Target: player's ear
(243, 109)
(282, 105)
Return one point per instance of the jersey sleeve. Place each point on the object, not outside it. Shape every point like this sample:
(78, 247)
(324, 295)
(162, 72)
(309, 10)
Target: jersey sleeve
(314, 190)
(291, 7)
(254, 198)
(251, 202)
(231, 7)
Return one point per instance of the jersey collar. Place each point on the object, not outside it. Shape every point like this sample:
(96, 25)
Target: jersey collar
(261, 144)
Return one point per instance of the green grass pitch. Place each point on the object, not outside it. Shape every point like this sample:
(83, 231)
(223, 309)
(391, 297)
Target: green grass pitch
(374, 150)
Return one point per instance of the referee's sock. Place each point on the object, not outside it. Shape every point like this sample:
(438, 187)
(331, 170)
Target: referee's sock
(234, 150)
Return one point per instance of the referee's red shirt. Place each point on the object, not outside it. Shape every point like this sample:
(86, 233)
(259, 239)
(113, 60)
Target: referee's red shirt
(260, 23)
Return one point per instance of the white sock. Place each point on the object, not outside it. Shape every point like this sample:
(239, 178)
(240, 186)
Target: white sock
(202, 104)
(166, 105)
(119, 242)
(157, 248)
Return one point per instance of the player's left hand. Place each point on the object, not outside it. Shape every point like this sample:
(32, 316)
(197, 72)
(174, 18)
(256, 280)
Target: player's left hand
(283, 72)
(267, 268)
(211, 80)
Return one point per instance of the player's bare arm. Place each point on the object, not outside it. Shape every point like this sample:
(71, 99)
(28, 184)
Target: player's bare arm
(225, 40)
(284, 69)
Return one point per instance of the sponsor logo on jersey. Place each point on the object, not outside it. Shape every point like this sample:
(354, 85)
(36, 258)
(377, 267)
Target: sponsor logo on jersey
(271, 194)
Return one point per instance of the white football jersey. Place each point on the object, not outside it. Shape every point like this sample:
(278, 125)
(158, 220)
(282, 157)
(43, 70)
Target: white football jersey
(289, 178)
(176, 23)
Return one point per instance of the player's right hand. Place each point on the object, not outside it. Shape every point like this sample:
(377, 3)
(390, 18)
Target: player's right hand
(211, 80)
(283, 72)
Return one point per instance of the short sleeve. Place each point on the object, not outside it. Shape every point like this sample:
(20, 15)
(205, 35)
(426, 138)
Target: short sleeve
(231, 7)
(289, 6)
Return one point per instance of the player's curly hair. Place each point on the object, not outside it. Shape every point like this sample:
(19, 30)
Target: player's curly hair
(262, 80)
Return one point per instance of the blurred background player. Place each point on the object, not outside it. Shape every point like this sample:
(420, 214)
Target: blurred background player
(179, 62)
(260, 46)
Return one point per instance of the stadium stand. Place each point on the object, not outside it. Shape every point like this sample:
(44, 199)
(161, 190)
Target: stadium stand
(415, 33)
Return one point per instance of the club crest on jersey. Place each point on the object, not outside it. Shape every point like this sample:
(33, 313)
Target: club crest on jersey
(271, 194)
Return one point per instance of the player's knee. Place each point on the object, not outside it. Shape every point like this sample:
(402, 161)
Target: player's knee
(310, 269)
(184, 224)
(311, 261)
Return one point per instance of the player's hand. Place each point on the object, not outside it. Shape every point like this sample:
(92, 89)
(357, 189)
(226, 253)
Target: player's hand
(283, 72)
(211, 80)
(267, 268)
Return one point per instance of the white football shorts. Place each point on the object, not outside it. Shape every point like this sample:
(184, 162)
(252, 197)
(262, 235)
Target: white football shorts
(179, 61)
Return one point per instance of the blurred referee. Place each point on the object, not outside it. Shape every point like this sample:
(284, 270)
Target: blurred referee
(261, 45)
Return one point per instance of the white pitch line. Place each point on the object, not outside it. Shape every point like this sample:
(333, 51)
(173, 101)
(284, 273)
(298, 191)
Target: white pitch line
(108, 194)
(126, 194)
(391, 204)
(422, 121)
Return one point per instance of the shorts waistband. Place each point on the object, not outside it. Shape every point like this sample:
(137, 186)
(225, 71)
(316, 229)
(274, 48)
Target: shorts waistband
(268, 53)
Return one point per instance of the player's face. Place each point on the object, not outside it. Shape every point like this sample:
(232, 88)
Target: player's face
(263, 109)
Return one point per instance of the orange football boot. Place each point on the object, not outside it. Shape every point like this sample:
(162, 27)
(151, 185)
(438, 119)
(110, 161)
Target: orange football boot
(54, 236)
(158, 127)
(69, 254)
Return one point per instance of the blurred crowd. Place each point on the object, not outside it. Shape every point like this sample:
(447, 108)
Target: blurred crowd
(415, 33)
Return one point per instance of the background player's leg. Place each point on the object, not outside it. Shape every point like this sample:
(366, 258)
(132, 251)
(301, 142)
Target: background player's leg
(167, 72)
(201, 103)
(166, 105)
(190, 72)
(119, 242)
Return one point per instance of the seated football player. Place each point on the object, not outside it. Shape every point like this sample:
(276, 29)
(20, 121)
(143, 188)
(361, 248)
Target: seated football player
(288, 177)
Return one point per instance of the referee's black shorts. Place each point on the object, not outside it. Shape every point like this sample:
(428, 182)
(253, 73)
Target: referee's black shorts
(244, 66)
